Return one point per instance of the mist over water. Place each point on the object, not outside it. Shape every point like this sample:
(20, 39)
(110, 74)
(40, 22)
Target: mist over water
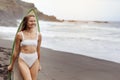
(99, 40)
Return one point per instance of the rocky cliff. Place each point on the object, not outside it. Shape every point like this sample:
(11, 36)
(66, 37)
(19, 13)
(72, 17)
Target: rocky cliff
(11, 10)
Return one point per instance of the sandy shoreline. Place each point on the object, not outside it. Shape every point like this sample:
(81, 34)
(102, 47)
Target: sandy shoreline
(57, 65)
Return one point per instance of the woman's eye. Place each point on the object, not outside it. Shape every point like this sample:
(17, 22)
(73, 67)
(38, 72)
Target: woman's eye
(33, 21)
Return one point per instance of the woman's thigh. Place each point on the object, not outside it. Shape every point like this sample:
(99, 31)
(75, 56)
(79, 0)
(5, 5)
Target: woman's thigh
(24, 69)
(34, 70)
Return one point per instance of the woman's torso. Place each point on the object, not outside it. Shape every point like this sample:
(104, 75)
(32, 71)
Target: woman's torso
(28, 42)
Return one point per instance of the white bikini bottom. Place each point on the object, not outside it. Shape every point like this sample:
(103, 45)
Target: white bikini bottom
(29, 59)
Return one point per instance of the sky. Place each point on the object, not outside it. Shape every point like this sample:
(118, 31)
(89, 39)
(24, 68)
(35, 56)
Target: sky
(102, 10)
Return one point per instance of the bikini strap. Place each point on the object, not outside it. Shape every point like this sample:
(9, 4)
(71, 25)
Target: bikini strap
(22, 35)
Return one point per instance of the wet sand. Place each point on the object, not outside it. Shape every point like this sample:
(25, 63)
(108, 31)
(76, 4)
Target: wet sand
(57, 65)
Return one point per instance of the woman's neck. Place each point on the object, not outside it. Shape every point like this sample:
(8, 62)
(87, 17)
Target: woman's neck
(30, 30)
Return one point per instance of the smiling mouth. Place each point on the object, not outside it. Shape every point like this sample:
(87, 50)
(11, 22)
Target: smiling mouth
(33, 24)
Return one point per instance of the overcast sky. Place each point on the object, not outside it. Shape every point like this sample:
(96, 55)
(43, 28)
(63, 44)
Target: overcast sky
(106, 10)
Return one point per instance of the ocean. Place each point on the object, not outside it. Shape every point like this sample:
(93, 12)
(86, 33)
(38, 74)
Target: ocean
(93, 39)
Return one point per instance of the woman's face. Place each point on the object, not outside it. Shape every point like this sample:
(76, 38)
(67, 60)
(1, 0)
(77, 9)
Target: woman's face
(31, 22)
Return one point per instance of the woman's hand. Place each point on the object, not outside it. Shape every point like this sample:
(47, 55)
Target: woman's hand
(10, 67)
(39, 68)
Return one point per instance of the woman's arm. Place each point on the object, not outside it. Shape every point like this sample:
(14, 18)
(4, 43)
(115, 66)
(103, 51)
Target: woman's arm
(16, 50)
(39, 44)
(38, 49)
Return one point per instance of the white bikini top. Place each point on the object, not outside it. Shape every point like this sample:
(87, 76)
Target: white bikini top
(29, 42)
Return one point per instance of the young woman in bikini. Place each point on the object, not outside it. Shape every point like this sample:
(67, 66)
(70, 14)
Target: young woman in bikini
(27, 49)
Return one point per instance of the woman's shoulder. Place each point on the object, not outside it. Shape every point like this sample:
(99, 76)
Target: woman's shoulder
(39, 35)
(19, 35)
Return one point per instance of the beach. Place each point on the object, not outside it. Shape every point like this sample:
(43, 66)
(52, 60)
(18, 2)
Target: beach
(58, 65)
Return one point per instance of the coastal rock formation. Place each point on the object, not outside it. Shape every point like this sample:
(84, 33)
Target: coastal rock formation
(11, 10)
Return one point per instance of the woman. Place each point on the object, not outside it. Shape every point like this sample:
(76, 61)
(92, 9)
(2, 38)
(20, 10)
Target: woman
(27, 48)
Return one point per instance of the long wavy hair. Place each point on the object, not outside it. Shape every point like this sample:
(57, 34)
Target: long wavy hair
(25, 21)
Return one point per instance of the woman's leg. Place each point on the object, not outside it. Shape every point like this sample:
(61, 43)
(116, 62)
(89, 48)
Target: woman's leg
(34, 70)
(24, 69)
